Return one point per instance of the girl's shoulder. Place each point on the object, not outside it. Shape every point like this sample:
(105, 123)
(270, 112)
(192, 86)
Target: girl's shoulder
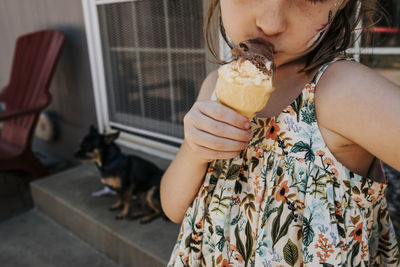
(345, 82)
(349, 71)
(362, 106)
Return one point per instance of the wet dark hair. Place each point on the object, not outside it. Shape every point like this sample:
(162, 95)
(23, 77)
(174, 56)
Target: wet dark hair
(338, 38)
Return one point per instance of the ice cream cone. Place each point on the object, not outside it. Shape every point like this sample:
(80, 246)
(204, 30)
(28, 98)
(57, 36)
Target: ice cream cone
(245, 84)
(243, 94)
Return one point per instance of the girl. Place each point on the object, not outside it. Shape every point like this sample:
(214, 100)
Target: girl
(301, 183)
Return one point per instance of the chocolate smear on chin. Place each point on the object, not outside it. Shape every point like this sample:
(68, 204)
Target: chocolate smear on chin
(259, 53)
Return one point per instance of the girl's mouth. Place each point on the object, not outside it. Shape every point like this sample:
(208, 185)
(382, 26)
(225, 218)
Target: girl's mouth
(266, 42)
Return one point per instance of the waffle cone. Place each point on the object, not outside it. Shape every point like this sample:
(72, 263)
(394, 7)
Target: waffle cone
(247, 99)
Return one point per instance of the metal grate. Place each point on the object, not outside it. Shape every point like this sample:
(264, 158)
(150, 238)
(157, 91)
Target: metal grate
(155, 61)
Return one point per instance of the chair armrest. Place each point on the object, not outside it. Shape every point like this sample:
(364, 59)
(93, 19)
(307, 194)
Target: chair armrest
(11, 114)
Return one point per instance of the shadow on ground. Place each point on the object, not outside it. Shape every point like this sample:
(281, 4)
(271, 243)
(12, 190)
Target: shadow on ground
(15, 193)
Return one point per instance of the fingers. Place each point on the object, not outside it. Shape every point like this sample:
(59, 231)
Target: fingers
(214, 131)
(224, 114)
(213, 142)
(222, 129)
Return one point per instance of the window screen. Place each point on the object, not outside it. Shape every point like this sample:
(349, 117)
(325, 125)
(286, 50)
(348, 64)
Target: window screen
(154, 61)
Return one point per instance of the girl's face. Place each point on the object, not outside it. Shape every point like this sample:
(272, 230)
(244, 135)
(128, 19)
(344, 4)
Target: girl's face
(295, 27)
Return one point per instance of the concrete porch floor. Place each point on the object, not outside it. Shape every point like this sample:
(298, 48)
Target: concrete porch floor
(30, 238)
(33, 239)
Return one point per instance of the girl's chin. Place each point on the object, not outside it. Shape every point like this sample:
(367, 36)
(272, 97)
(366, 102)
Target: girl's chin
(279, 62)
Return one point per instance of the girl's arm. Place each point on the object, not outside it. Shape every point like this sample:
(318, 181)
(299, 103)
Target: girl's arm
(180, 183)
(212, 131)
(362, 106)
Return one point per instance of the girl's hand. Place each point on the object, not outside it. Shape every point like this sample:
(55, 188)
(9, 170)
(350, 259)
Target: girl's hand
(214, 131)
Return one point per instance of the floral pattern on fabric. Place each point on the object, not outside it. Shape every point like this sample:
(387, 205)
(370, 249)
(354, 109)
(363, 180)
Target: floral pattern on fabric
(286, 201)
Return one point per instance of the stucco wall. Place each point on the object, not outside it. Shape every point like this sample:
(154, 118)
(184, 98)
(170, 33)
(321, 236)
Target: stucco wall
(71, 87)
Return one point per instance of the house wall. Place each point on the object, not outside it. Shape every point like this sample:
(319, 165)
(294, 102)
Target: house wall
(73, 107)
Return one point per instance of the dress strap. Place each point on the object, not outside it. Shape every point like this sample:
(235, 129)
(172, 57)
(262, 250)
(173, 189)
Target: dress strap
(322, 69)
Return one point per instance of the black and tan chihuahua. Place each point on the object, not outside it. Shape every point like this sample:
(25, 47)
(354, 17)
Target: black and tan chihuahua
(126, 174)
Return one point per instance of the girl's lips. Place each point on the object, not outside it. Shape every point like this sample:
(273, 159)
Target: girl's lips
(266, 42)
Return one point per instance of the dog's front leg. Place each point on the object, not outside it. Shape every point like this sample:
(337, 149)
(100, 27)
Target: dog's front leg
(127, 196)
(118, 205)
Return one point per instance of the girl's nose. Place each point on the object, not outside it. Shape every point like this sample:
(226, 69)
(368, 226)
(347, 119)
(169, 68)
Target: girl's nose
(271, 16)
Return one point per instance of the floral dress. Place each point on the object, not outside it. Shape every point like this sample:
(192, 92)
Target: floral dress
(286, 201)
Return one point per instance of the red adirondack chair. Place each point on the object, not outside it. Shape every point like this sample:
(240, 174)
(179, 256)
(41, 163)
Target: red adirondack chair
(25, 96)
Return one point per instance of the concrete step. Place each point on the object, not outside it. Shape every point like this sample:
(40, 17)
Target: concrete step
(66, 198)
(33, 239)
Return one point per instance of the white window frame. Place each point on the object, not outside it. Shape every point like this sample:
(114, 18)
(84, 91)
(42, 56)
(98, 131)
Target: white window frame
(131, 141)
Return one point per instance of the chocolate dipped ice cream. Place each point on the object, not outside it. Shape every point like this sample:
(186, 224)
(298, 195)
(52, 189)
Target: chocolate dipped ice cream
(245, 84)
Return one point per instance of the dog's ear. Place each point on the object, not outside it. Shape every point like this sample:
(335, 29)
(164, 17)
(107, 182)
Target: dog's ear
(93, 130)
(109, 138)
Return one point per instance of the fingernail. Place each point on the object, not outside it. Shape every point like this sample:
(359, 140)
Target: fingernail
(247, 125)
